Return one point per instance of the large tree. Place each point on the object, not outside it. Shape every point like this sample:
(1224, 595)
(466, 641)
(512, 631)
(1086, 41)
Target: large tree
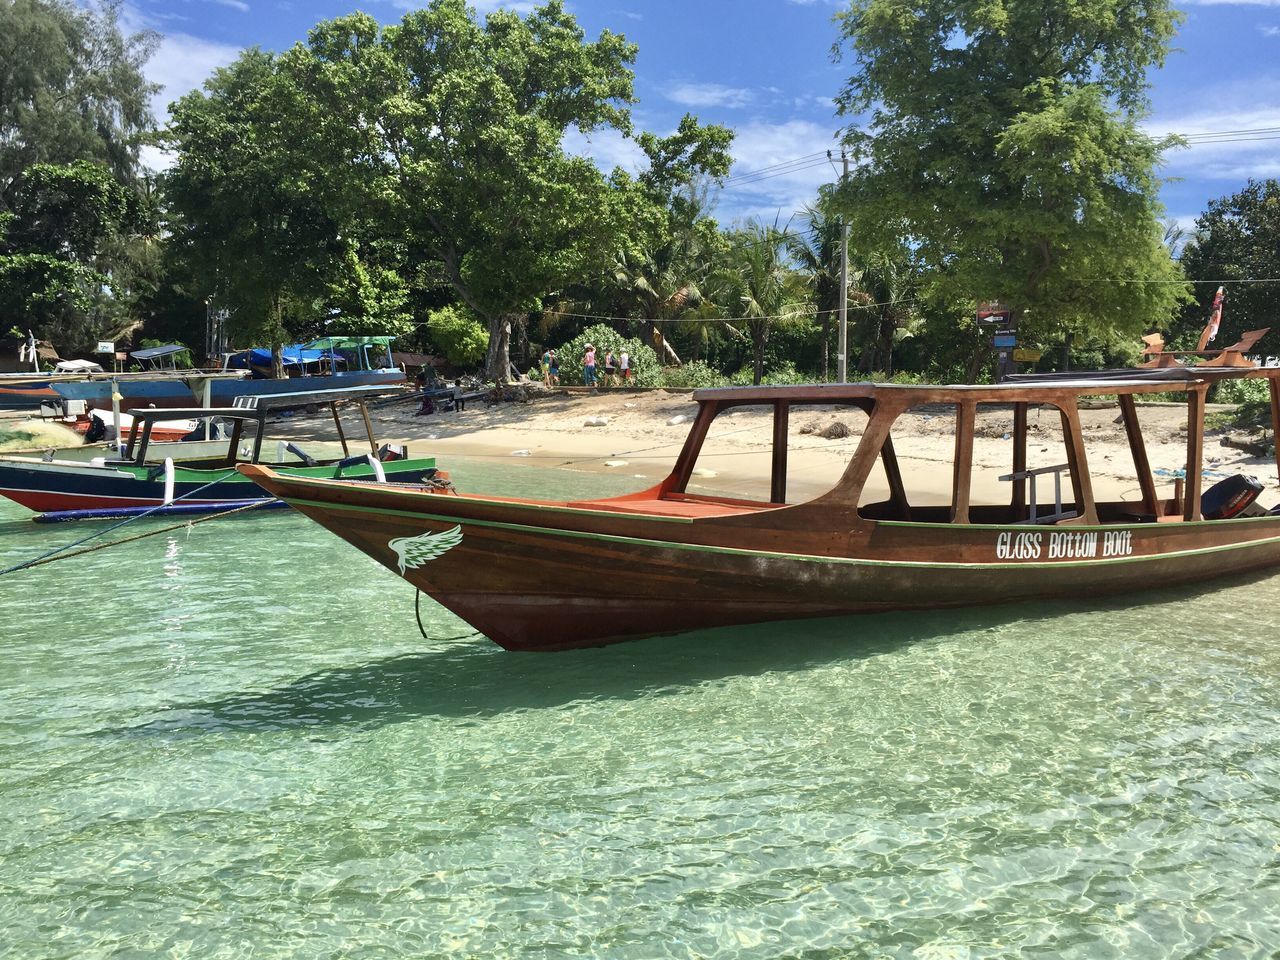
(1236, 239)
(1001, 140)
(455, 129)
(71, 88)
(264, 237)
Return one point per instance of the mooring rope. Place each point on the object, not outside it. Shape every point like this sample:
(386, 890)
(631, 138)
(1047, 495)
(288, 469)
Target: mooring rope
(53, 554)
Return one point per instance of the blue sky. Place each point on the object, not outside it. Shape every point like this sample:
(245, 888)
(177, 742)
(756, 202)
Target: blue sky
(763, 67)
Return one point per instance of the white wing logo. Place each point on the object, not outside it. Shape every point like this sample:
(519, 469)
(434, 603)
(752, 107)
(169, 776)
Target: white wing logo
(413, 552)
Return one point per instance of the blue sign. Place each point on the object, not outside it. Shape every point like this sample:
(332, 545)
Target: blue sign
(1005, 341)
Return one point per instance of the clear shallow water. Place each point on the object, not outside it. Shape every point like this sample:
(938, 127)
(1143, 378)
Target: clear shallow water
(236, 744)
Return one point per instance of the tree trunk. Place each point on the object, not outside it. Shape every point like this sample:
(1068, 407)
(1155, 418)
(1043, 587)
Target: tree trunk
(888, 326)
(497, 364)
(277, 361)
(757, 350)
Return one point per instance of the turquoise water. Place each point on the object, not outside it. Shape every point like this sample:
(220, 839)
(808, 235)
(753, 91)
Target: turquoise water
(234, 743)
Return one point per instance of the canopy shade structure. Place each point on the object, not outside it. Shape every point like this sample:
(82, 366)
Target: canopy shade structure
(77, 366)
(152, 353)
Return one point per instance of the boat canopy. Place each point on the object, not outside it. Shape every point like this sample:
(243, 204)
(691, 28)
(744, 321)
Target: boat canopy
(347, 343)
(77, 366)
(292, 355)
(154, 353)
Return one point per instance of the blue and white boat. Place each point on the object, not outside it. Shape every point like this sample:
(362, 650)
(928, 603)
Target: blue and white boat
(328, 363)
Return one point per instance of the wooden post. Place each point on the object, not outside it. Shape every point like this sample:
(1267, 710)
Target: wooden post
(1195, 449)
(368, 427)
(1138, 449)
(337, 422)
(893, 473)
(1081, 485)
(1274, 384)
(1018, 503)
(683, 469)
(962, 471)
(778, 480)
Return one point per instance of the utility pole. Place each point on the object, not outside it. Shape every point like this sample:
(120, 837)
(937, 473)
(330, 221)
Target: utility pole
(842, 363)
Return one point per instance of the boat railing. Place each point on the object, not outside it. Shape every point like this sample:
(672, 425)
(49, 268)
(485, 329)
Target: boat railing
(1058, 513)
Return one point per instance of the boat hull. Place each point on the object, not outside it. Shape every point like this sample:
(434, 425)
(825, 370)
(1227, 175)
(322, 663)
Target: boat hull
(551, 577)
(172, 391)
(54, 487)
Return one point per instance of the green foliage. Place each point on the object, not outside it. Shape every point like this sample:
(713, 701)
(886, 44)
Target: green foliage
(459, 336)
(1004, 146)
(645, 369)
(694, 374)
(57, 247)
(71, 88)
(1236, 238)
(782, 374)
(1242, 391)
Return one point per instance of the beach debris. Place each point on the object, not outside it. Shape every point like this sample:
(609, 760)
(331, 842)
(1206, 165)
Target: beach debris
(810, 427)
(835, 431)
(704, 472)
(596, 422)
(522, 453)
(630, 406)
(677, 420)
(1257, 444)
(615, 463)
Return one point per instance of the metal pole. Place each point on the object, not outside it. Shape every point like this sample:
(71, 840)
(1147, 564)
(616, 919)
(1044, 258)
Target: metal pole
(842, 363)
(115, 413)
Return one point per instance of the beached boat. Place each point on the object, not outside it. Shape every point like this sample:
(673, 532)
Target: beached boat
(348, 362)
(552, 574)
(194, 476)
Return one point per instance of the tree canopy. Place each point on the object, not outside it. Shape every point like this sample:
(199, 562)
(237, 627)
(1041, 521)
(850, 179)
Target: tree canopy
(1236, 239)
(1001, 140)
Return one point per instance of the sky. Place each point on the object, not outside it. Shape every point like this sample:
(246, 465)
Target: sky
(764, 68)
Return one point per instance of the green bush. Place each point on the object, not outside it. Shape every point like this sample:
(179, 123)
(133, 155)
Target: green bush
(645, 370)
(458, 335)
(775, 375)
(1242, 391)
(696, 374)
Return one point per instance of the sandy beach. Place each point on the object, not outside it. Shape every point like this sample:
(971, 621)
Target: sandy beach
(639, 434)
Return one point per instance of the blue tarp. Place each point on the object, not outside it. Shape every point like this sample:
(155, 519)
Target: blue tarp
(294, 355)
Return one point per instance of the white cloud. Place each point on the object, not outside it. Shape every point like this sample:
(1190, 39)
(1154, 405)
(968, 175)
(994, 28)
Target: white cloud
(1270, 31)
(708, 95)
(768, 180)
(233, 4)
(483, 7)
(608, 148)
(1237, 158)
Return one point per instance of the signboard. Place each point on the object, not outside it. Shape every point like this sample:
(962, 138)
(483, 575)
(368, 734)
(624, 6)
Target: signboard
(106, 346)
(1024, 355)
(994, 314)
(1003, 339)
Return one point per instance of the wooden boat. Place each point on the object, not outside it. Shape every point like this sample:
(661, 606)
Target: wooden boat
(196, 476)
(552, 574)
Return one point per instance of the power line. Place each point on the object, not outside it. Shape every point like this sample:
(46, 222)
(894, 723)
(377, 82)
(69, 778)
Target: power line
(812, 161)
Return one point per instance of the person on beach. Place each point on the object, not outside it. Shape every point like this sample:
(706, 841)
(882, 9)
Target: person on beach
(610, 368)
(553, 370)
(624, 362)
(546, 367)
(589, 366)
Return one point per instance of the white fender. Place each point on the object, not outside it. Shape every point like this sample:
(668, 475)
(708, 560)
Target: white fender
(168, 479)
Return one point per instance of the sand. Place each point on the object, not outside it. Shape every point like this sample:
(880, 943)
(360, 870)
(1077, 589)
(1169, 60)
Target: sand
(639, 434)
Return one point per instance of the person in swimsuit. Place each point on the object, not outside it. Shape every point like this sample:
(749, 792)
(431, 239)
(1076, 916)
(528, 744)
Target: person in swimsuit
(589, 366)
(546, 368)
(553, 370)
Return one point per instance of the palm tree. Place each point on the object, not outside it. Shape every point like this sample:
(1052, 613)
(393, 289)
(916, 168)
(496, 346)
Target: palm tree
(769, 290)
(816, 253)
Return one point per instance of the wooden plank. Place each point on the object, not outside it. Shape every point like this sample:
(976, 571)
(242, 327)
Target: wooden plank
(1138, 450)
(368, 428)
(1195, 451)
(778, 478)
(962, 469)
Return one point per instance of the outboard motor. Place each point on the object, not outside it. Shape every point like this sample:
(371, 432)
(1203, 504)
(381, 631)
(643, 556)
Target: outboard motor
(393, 451)
(1230, 498)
